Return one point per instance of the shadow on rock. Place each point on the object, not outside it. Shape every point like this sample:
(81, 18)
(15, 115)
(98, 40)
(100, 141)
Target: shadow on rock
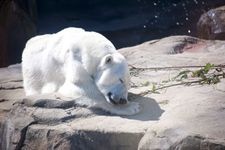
(150, 109)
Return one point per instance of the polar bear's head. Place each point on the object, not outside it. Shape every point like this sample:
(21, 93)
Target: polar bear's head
(112, 78)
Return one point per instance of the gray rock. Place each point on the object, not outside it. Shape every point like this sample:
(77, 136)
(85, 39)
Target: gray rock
(179, 117)
(211, 24)
(196, 143)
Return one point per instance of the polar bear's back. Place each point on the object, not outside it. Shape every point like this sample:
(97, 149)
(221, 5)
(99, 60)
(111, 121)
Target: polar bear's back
(69, 38)
(39, 43)
(71, 30)
(36, 43)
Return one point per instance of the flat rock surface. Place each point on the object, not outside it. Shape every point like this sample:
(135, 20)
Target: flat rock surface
(177, 117)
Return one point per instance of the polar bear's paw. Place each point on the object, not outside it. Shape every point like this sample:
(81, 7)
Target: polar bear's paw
(131, 108)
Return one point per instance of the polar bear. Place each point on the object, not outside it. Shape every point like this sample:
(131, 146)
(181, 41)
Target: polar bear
(78, 64)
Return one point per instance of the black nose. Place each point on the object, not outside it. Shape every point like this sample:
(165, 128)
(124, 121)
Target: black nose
(115, 99)
(111, 98)
(123, 101)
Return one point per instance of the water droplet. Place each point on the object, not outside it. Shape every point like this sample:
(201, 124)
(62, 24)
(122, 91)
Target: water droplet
(154, 4)
(189, 31)
(156, 16)
(196, 2)
(174, 4)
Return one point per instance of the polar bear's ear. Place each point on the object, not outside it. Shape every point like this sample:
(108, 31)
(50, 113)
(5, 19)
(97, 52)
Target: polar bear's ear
(108, 59)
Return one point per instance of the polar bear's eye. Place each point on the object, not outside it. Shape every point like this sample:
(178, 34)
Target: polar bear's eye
(121, 81)
(108, 59)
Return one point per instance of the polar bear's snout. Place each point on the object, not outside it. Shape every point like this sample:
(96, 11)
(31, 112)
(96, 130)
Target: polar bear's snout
(115, 99)
(117, 94)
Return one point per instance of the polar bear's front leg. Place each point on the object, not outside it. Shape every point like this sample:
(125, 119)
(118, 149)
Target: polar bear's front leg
(49, 88)
(76, 78)
(69, 89)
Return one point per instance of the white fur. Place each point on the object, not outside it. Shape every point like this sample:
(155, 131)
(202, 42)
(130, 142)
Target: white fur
(77, 63)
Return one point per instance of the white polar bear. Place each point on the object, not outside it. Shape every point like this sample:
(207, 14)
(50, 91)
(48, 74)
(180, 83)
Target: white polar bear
(77, 63)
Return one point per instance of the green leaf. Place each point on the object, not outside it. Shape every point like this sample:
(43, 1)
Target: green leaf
(182, 75)
(154, 89)
(208, 67)
(146, 83)
(197, 73)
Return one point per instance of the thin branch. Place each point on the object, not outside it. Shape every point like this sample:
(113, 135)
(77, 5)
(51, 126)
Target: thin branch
(176, 84)
(173, 67)
(171, 85)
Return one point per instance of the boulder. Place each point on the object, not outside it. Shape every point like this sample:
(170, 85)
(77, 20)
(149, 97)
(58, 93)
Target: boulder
(178, 116)
(211, 24)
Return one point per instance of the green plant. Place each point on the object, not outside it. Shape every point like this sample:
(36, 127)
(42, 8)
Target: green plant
(208, 74)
